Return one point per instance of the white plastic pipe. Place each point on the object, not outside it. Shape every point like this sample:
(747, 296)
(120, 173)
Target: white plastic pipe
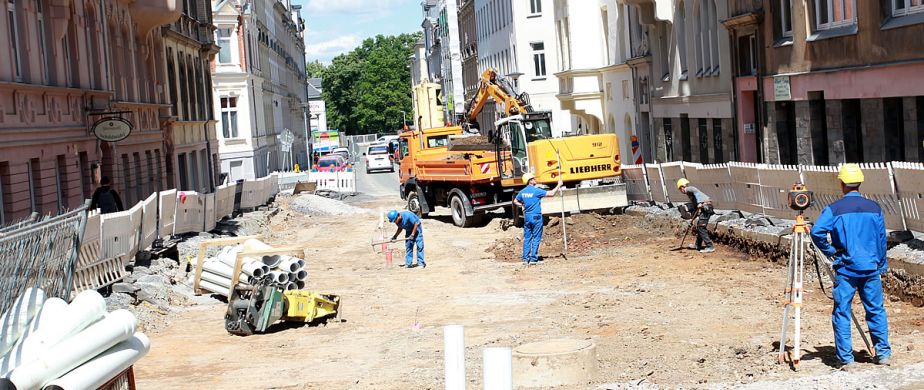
(454, 356)
(96, 372)
(215, 288)
(300, 284)
(272, 261)
(255, 245)
(75, 350)
(217, 279)
(291, 286)
(289, 264)
(498, 368)
(301, 263)
(218, 268)
(253, 267)
(51, 312)
(15, 321)
(301, 275)
(86, 308)
(279, 277)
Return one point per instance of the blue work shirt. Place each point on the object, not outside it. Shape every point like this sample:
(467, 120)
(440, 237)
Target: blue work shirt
(858, 235)
(531, 198)
(408, 220)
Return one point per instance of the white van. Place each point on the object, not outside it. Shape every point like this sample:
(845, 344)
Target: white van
(377, 158)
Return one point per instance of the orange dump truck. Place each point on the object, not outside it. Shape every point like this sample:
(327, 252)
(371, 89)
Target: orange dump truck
(439, 169)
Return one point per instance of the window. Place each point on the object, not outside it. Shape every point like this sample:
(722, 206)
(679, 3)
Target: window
(681, 37)
(438, 141)
(905, 7)
(43, 51)
(669, 139)
(224, 42)
(539, 58)
(229, 116)
(62, 183)
(718, 150)
(785, 15)
(834, 13)
(535, 7)
(13, 24)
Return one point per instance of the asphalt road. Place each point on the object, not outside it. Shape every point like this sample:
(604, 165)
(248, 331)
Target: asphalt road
(377, 183)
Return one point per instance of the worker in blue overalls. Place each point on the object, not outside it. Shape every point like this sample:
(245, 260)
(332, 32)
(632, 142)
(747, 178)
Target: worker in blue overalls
(530, 200)
(413, 236)
(858, 249)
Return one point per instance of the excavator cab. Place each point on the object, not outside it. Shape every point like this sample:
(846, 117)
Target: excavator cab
(516, 132)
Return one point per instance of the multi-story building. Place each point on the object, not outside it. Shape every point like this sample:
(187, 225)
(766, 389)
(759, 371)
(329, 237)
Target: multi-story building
(447, 31)
(192, 147)
(426, 95)
(63, 68)
(830, 81)
(468, 43)
(688, 78)
(594, 81)
(260, 87)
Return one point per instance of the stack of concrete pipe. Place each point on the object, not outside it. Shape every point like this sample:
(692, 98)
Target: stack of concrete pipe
(47, 343)
(286, 272)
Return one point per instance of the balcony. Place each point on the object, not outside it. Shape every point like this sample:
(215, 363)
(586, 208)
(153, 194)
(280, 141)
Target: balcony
(148, 14)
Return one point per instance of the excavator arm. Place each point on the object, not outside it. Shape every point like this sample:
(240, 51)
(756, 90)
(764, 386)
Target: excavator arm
(500, 89)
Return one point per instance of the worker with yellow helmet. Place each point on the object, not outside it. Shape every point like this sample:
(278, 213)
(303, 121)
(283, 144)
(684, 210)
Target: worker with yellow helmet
(703, 204)
(530, 200)
(858, 249)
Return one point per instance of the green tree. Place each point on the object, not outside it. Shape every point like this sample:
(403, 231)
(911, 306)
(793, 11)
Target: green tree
(366, 89)
(315, 69)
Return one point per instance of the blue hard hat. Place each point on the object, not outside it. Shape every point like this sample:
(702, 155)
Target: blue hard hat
(392, 215)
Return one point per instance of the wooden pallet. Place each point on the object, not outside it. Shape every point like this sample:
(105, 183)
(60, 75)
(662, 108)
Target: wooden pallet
(297, 251)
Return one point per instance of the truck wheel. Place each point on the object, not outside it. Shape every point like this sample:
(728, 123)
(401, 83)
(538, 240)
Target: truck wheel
(457, 205)
(413, 204)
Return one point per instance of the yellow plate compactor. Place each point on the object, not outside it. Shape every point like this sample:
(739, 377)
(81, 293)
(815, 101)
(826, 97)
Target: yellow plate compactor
(253, 309)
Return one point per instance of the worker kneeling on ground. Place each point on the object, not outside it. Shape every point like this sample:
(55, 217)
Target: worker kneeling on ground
(530, 200)
(858, 250)
(700, 202)
(413, 236)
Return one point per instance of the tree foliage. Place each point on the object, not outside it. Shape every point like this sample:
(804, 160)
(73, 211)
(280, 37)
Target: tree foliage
(315, 69)
(366, 89)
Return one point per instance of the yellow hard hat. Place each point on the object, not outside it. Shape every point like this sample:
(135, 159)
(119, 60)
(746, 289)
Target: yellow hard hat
(682, 182)
(850, 174)
(527, 177)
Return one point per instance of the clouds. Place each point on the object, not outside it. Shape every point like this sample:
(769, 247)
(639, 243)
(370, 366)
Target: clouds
(328, 49)
(350, 6)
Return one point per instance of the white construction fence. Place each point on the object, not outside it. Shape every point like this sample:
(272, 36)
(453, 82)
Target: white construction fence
(112, 240)
(762, 188)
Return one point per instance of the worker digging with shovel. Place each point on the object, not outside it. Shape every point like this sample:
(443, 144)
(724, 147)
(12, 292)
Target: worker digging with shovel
(702, 204)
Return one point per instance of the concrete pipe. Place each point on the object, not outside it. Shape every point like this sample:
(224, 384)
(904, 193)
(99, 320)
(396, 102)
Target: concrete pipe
(301, 275)
(96, 372)
(51, 312)
(554, 363)
(279, 277)
(75, 350)
(255, 245)
(15, 321)
(291, 286)
(272, 261)
(214, 287)
(300, 284)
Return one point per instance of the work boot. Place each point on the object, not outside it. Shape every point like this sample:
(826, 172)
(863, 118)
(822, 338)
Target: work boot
(707, 250)
(884, 361)
(693, 247)
(423, 265)
(849, 367)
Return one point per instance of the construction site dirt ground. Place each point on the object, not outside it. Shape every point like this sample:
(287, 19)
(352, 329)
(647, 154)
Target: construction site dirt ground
(657, 316)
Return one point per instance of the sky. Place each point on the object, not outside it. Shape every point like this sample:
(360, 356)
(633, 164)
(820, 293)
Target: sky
(338, 26)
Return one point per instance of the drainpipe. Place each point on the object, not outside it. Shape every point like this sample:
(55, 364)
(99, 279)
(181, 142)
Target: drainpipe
(733, 47)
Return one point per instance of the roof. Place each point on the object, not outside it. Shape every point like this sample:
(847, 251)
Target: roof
(314, 88)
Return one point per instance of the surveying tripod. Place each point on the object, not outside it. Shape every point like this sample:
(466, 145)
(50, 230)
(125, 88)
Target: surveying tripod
(793, 292)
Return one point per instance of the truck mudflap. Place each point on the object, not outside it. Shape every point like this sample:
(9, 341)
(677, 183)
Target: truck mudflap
(599, 197)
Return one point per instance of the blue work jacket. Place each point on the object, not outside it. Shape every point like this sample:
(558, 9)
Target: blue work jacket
(858, 235)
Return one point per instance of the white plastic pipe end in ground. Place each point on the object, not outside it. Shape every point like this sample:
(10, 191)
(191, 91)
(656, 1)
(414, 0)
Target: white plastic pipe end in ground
(75, 350)
(454, 356)
(96, 372)
(15, 321)
(498, 368)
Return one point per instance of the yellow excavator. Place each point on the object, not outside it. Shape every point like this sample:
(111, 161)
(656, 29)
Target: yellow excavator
(438, 168)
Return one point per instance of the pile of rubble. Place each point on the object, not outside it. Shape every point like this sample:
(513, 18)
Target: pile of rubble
(310, 204)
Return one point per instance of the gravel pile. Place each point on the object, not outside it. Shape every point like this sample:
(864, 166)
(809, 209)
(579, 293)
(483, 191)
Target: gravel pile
(318, 205)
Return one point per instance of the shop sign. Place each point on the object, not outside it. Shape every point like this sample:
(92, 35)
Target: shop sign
(112, 129)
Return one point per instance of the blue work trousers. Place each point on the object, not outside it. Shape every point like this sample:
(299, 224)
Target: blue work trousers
(532, 235)
(870, 289)
(409, 245)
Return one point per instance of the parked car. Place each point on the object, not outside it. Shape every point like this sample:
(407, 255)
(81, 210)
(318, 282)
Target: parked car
(385, 139)
(377, 158)
(332, 163)
(342, 152)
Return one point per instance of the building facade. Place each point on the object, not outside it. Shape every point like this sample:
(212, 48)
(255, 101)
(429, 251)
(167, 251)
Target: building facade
(840, 81)
(191, 142)
(259, 88)
(447, 30)
(468, 44)
(64, 66)
(426, 95)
